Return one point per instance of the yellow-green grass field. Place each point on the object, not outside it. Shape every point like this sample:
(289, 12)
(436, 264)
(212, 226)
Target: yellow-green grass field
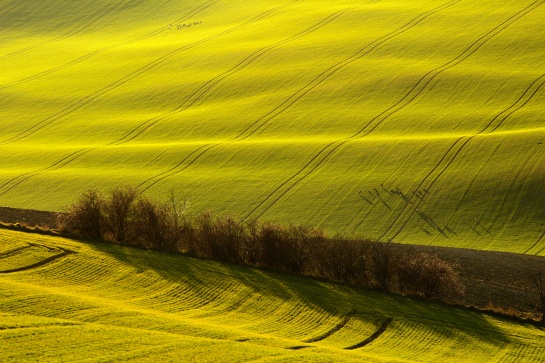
(72, 301)
(410, 121)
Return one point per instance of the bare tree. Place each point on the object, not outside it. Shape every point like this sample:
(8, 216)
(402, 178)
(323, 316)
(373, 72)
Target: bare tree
(381, 256)
(428, 276)
(119, 213)
(85, 216)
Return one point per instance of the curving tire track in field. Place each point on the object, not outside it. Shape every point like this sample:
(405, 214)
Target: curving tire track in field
(294, 98)
(14, 251)
(186, 17)
(196, 154)
(381, 329)
(78, 29)
(328, 73)
(13, 182)
(322, 77)
(329, 149)
(423, 83)
(325, 153)
(525, 98)
(513, 195)
(178, 168)
(331, 331)
(38, 264)
(134, 74)
(208, 86)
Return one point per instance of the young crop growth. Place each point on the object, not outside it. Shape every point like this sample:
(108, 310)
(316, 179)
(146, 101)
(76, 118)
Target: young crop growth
(62, 300)
(398, 120)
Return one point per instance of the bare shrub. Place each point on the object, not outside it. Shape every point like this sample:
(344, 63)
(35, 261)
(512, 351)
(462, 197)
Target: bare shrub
(289, 249)
(427, 275)
(250, 247)
(203, 235)
(119, 214)
(84, 217)
(272, 242)
(343, 260)
(303, 241)
(231, 234)
(381, 262)
(155, 226)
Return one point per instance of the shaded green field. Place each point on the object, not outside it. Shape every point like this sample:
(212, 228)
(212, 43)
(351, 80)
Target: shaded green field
(415, 122)
(105, 303)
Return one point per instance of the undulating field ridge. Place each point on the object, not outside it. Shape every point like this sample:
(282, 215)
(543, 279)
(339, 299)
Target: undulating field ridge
(62, 300)
(409, 121)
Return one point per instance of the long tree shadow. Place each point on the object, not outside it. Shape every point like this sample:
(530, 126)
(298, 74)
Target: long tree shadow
(337, 300)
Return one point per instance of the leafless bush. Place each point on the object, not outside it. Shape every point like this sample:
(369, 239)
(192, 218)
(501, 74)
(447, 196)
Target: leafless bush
(428, 276)
(126, 217)
(85, 216)
(204, 243)
(219, 238)
(381, 261)
(120, 214)
(289, 249)
(251, 248)
(343, 260)
(155, 226)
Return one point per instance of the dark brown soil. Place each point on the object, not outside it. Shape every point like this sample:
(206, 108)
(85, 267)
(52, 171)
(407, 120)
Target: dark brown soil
(31, 218)
(493, 280)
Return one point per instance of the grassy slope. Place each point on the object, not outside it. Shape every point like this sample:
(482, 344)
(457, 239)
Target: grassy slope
(286, 110)
(105, 303)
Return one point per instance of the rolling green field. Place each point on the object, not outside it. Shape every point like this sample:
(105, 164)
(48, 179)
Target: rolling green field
(410, 121)
(62, 300)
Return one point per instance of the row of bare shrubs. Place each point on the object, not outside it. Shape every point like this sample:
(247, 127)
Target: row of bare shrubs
(123, 216)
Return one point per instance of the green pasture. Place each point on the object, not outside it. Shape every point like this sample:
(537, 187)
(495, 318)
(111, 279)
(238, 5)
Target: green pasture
(104, 303)
(410, 121)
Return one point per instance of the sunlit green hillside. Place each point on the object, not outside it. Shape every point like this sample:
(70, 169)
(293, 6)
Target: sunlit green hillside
(62, 300)
(412, 121)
